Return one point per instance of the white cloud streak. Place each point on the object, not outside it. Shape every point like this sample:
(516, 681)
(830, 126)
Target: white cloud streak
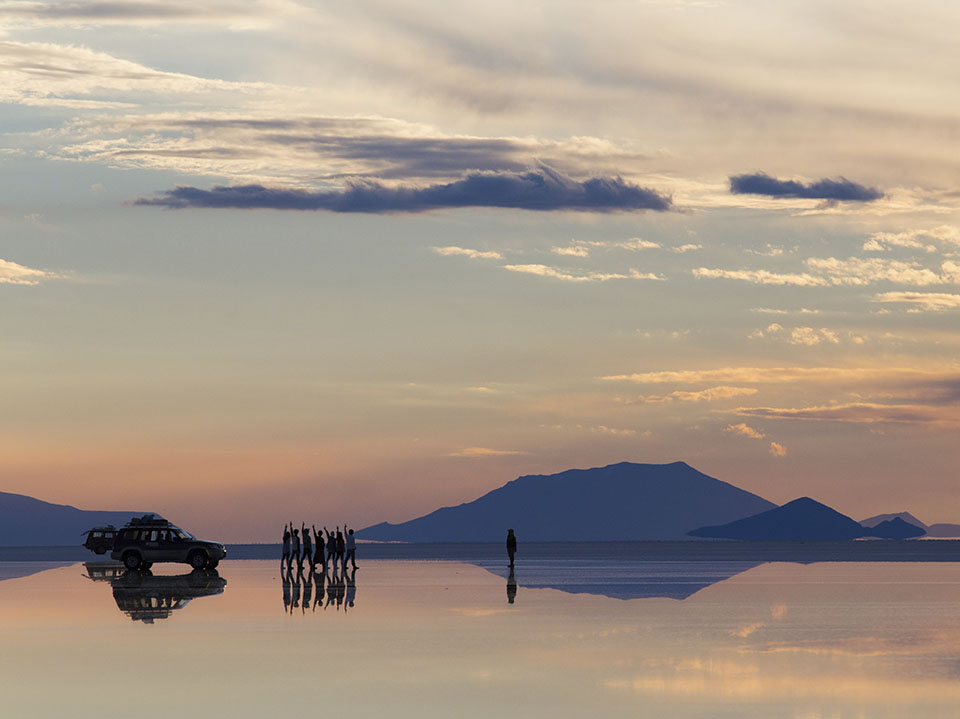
(467, 252)
(13, 274)
(569, 276)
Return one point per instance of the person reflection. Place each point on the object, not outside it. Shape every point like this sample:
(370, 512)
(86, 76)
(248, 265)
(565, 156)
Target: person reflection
(511, 586)
(297, 579)
(286, 581)
(351, 597)
(321, 581)
(307, 593)
(331, 588)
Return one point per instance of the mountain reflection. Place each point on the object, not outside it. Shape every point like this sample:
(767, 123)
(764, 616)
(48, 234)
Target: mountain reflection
(618, 580)
(145, 598)
(308, 590)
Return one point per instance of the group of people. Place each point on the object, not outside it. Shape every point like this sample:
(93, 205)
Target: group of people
(318, 548)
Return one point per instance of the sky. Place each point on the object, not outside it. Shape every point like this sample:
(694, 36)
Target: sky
(268, 260)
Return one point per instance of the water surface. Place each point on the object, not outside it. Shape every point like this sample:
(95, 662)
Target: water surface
(443, 638)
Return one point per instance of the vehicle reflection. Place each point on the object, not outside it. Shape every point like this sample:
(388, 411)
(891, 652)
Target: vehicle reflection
(145, 598)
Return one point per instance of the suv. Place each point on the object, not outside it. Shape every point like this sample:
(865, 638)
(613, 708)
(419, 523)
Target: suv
(100, 539)
(148, 539)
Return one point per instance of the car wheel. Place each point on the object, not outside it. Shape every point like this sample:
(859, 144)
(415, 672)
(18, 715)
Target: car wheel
(198, 559)
(131, 560)
(100, 549)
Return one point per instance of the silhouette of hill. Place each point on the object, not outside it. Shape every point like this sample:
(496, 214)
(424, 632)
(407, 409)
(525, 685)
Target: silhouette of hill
(802, 519)
(624, 501)
(940, 530)
(905, 516)
(29, 522)
(943, 529)
(895, 528)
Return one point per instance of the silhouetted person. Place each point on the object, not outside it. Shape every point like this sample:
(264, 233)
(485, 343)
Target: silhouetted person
(351, 544)
(511, 586)
(511, 545)
(307, 545)
(341, 548)
(286, 546)
(331, 588)
(318, 553)
(295, 551)
(331, 547)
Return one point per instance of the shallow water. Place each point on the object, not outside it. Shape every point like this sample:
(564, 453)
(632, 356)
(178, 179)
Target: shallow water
(442, 639)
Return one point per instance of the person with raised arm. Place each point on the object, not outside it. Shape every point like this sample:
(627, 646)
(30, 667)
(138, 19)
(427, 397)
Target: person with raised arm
(331, 547)
(307, 545)
(286, 546)
(341, 549)
(295, 550)
(319, 558)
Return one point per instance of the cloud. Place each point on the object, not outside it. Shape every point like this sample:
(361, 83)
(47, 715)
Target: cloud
(687, 248)
(761, 277)
(913, 239)
(776, 311)
(711, 394)
(475, 452)
(466, 252)
(856, 271)
(50, 74)
(582, 248)
(774, 375)
(544, 190)
(745, 430)
(859, 412)
(13, 274)
(777, 449)
(574, 251)
(567, 276)
(840, 190)
(851, 272)
(810, 336)
(122, 12)
(929, 301)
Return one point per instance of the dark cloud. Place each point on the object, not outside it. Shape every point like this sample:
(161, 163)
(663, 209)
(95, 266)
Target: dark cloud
(841, 190)
(544, 190)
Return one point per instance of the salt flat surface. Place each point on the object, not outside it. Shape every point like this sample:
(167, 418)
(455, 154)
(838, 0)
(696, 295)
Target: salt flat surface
(443, 639)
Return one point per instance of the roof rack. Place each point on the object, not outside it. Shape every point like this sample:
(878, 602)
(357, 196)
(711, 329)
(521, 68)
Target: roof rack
(148, 520)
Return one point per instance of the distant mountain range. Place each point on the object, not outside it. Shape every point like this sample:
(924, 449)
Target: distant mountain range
(939, 530)
(29, 522)
(806, 519)
(619, 502)
(622, 501)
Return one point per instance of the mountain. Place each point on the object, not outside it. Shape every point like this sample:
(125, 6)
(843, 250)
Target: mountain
(623, 501)
(896, 528)
(942, 529)
(939, 530)
(802, 519)
(29, 522)
(905, 516)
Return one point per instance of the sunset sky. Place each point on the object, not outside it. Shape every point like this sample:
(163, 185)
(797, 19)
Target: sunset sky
(276, 260)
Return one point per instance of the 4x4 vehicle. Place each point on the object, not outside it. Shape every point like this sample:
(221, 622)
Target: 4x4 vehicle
(148, 539)
(100, 539)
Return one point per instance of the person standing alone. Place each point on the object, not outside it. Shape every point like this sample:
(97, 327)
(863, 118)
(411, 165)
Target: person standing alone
(511, 545)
